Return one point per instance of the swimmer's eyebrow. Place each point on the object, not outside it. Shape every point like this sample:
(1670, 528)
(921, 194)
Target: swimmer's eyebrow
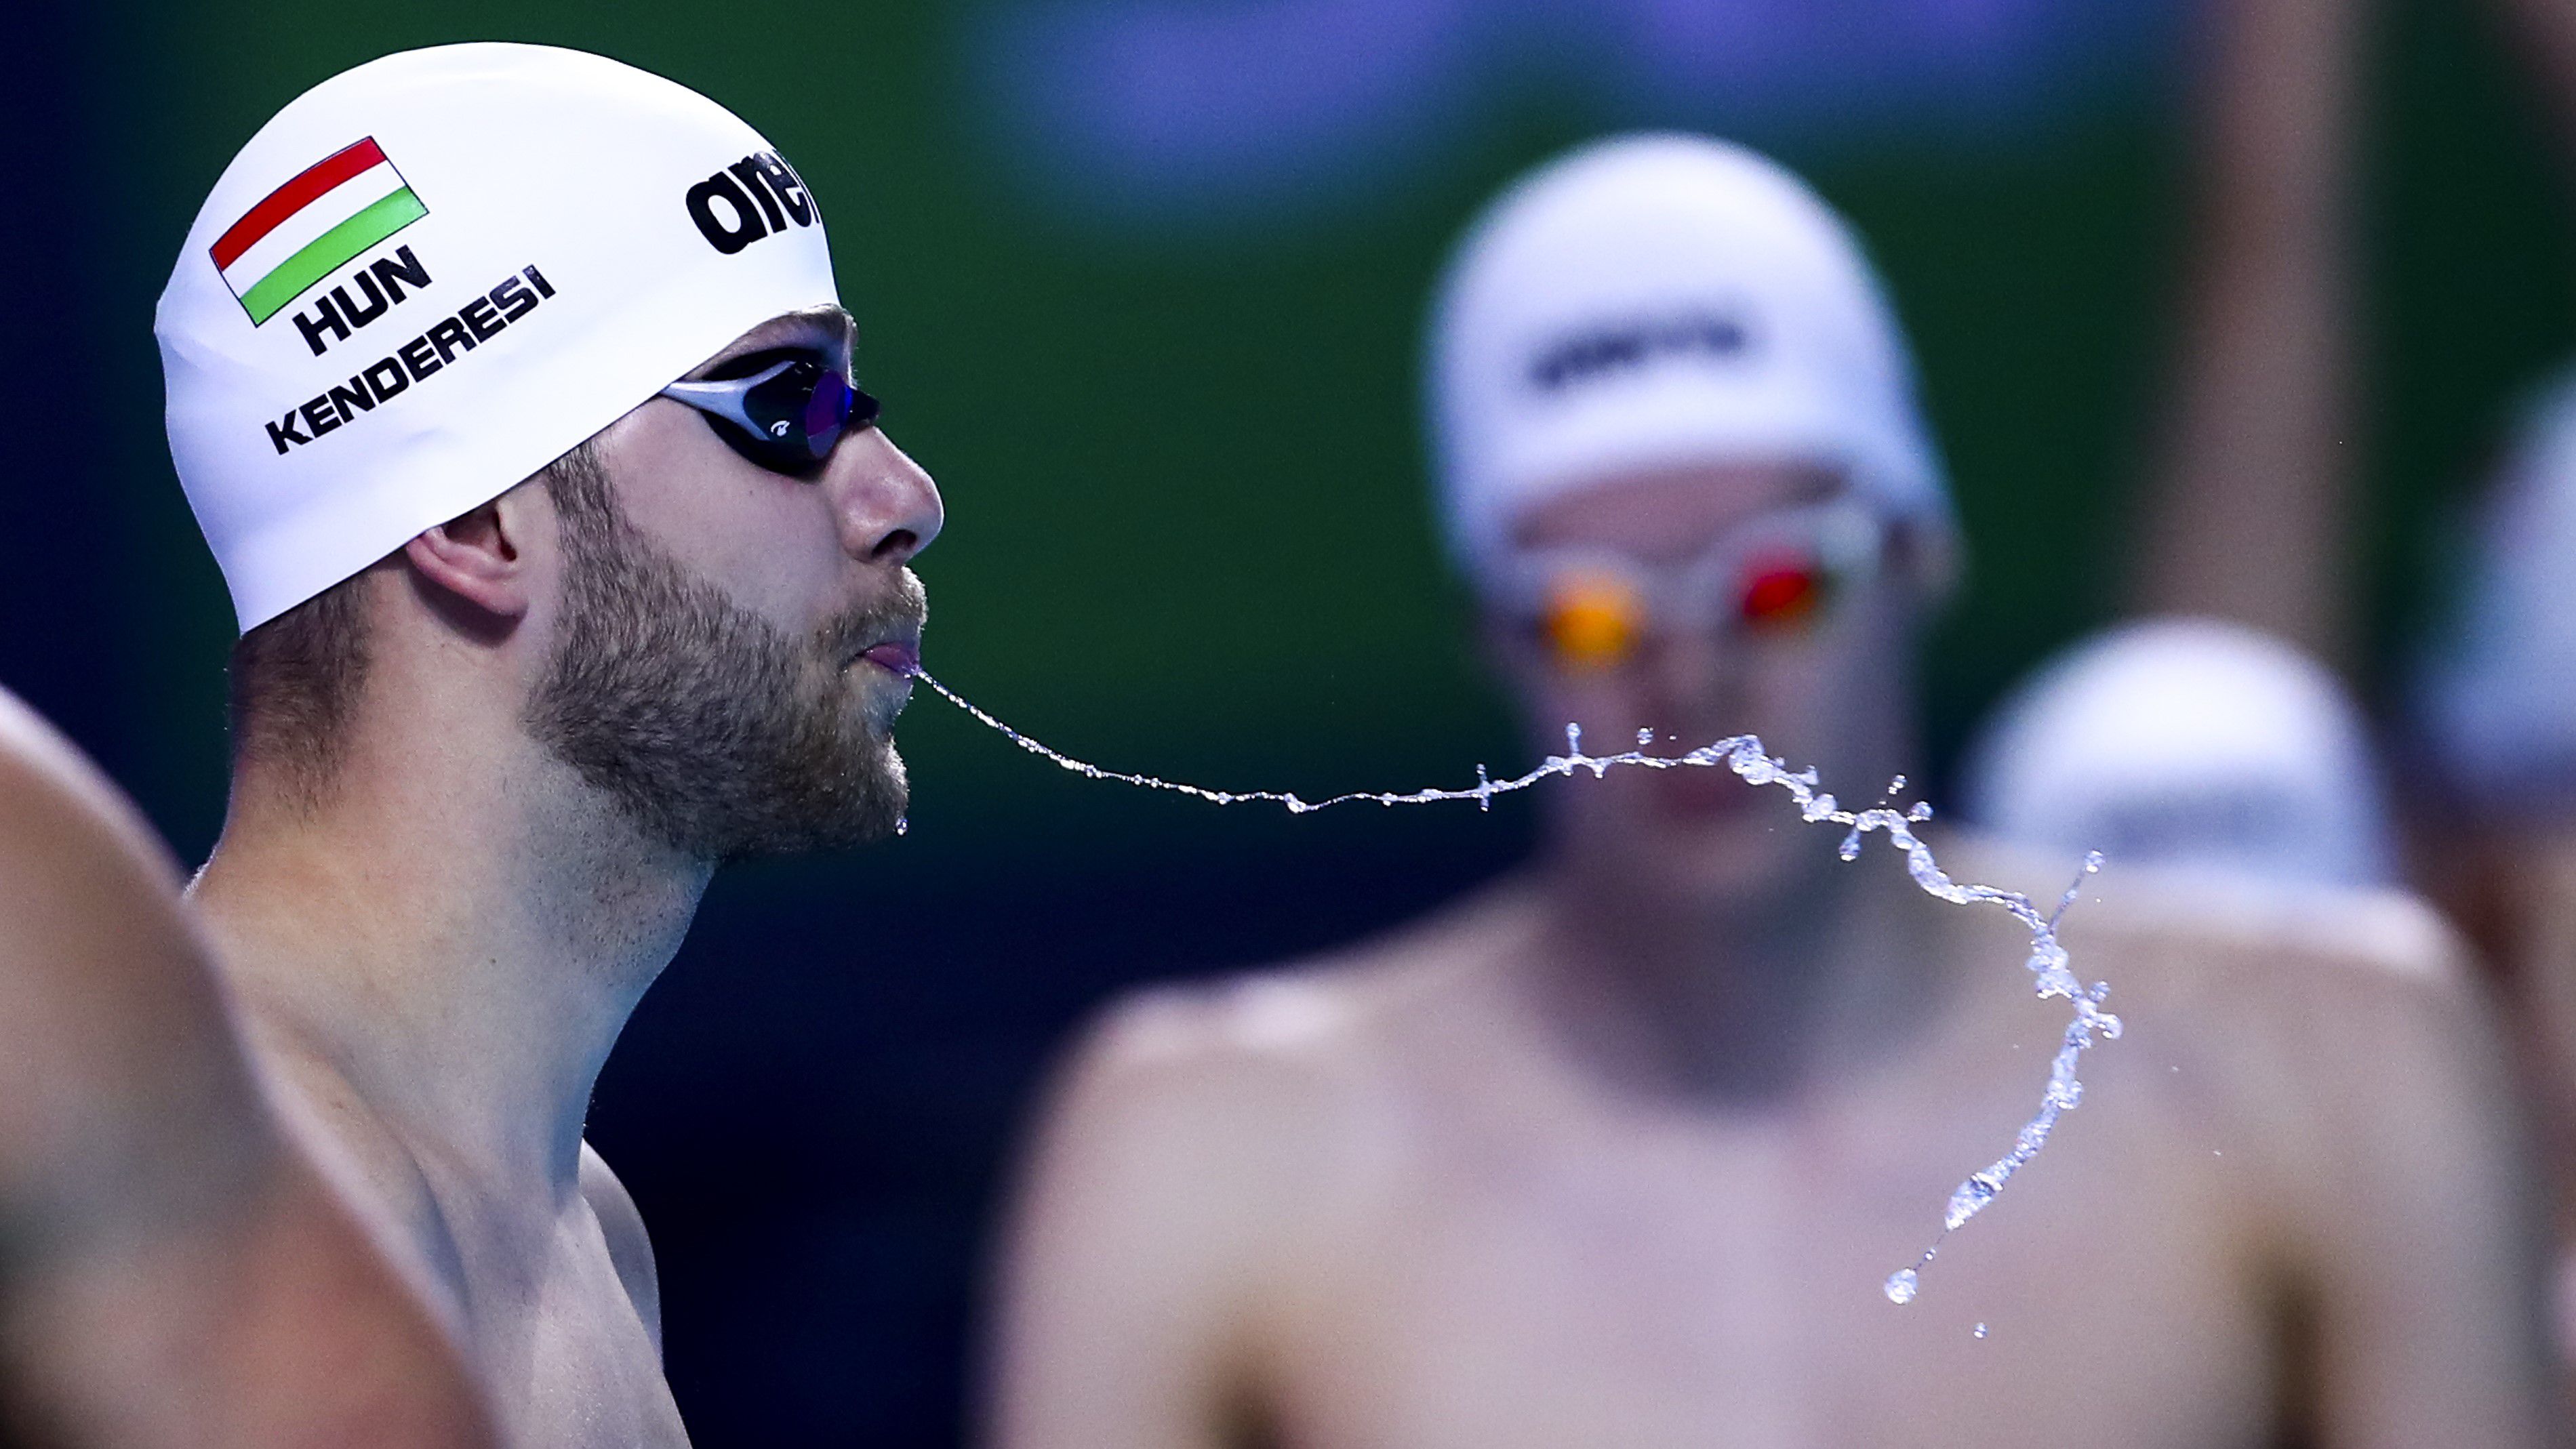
(830, 327)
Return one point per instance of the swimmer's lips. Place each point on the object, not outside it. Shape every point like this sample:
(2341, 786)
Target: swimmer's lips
(895, 657)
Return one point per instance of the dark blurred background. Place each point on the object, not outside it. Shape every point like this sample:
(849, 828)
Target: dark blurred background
(1142, 283)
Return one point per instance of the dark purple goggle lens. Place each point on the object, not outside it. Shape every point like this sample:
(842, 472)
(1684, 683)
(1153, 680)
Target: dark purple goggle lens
(798, 413)
(828, 410)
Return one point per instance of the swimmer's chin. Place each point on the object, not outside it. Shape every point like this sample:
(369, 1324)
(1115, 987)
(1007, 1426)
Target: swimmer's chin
(898, 798)
(878, 693)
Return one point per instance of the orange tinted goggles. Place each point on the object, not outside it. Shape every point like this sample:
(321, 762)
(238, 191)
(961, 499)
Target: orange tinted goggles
(1780, 575)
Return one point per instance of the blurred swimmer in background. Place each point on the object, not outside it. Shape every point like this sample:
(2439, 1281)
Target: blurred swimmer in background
(2253, 513)
(2188, 746)
(1620, 1150)
(176, 1266)
(2494, 753)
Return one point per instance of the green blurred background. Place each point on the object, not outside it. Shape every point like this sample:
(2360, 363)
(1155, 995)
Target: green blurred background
(1187, 532)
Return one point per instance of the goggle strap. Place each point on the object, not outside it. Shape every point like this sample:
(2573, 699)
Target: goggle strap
(724, 399)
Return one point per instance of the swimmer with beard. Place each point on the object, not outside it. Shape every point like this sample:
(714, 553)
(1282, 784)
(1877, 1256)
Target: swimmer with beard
(491, 744)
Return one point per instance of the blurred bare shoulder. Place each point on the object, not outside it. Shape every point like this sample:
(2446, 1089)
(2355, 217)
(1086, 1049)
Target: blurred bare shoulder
(112, 1029)
(2189, 940)
(2346, 1029)
(2298, 978)
(45, 781)
(1293, 1038)
(1202, 1148)
(175, 1270)
(2331, 1021)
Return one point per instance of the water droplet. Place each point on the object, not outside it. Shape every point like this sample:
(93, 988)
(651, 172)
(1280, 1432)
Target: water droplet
(1850, 848)
(903, 825)
(1902, 1285)
(1981, 1330)
(1645, 738)
(1896, 787)
(1970, 1198)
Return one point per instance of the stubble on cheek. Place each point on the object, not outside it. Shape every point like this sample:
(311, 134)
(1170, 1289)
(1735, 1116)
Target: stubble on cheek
(718, 732)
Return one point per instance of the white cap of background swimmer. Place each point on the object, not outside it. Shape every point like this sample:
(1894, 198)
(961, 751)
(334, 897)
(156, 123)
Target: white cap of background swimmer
(2495, 693)
(1658, 301)
(2192, 744)
(432, 275)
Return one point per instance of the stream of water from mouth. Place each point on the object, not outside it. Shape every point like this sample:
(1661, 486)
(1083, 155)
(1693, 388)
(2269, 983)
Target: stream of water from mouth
(2051, 969)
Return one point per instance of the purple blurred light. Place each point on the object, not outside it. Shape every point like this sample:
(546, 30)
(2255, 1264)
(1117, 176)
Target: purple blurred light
(1162, 106)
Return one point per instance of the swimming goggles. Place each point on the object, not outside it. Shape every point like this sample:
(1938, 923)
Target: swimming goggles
(1776, 576)
(785, 412)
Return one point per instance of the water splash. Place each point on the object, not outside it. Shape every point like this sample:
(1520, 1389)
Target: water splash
(2047, 960)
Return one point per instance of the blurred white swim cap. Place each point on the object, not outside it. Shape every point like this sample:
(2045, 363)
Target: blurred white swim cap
(2186, 743)
(1660, 301)
(432, 275)
(2495, 693)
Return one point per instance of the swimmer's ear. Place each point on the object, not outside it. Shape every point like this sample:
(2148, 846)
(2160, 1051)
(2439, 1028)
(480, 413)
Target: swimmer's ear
(478, 558)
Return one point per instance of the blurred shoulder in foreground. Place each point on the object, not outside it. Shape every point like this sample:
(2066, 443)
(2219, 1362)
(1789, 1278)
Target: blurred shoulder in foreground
(174, 1267)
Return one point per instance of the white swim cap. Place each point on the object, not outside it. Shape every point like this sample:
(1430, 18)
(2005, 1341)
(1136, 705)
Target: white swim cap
(2186, 743)
(431, 276)
(2495, 693)
(1658, 301)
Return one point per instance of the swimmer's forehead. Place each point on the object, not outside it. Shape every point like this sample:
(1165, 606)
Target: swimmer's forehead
(1674, 512)
(828, 329)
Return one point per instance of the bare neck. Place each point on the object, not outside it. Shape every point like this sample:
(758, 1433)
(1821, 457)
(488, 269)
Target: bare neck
(458, 930)
(1746, 1000)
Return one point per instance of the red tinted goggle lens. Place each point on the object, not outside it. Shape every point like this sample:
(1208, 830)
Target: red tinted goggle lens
(1595, 617)
(1783, 591)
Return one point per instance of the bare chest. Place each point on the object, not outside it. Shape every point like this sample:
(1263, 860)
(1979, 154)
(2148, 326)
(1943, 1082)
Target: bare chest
(1652, 1290)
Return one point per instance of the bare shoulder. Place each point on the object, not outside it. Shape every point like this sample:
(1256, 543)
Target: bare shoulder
(1201, 1150)
(630, 1248)
(2227, 955)
(45, 780)
(2303, 968)
(114, 1035)
(1255, 1108)
(83, 865)
(2348, 1027)
(1286, 1041)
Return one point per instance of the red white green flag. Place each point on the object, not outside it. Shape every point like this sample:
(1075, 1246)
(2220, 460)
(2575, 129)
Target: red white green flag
(303, 231)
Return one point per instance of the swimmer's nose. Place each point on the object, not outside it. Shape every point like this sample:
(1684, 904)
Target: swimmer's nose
(1692, 676)
(888, 508)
